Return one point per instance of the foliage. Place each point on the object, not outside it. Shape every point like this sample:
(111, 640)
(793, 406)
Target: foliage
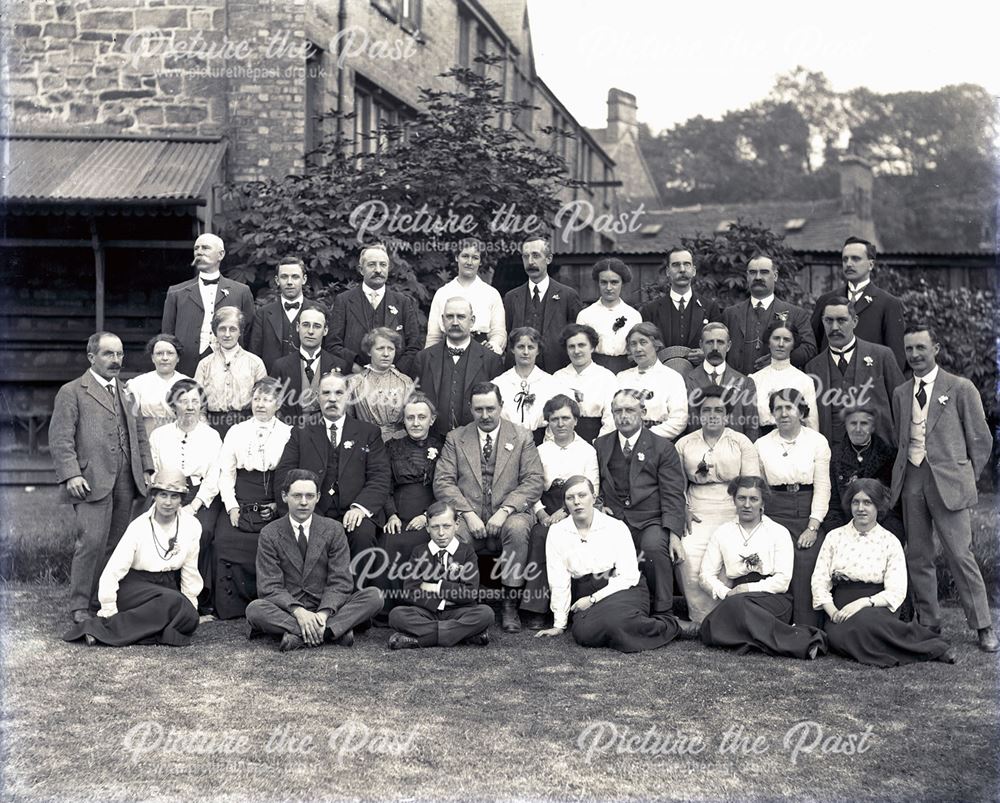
(452, 168)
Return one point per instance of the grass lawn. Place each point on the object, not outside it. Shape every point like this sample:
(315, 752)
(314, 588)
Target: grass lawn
(500, 722)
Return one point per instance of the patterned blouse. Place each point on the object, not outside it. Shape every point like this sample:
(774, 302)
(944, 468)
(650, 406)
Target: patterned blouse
(871, 557)
(228, 378)
(378, 398)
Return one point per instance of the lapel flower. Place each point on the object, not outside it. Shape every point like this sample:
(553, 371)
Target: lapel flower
(640, 456)
(399, 328)
(942, 400)
(393, 310)
(869, 362)
(750, 561)
(332, 491)
(705, 322)
(432, 453)
(555, 297)
(348, 444)
(618, 324)
(648, 394)
(698, 302)
(224, 291)
(509, 447)
(869, 299)
(781, 316)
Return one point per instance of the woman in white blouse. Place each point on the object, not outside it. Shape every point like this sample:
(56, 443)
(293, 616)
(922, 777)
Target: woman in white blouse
(250, 452)
(781, 339)
(611, 317)
(526, 387)
(192, 447)
(712, 456)
(229, 373)
(747, 568)
(594, 574)
(860, 582)
(150, 585)
(664, 388)
(565, 454)
(591, 385)
(795, 461)
(150, 389)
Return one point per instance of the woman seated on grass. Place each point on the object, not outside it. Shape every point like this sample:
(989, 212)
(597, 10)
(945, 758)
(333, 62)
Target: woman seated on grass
(149, 589)
(860, 581)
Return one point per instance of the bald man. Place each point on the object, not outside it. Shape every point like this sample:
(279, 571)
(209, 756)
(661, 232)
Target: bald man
(448, 370)
(190, 305)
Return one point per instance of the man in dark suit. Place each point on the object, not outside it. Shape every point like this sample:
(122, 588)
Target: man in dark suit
(300, 372)
(359, 310)
(851, 370)
(681, 314)
(740, 394)
(542, 303)
(748, 320)
(880, 314)
(304, 587)
(447, 370)
(489, 471)
(190, 305)
(441, 590)
(102, 459)
(274, 333)
(642, 484)
(944, 445)
(351, 462)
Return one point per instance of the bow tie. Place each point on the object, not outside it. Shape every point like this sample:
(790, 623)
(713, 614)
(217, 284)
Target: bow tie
(211, 281)
(455, 352)
(289, 305)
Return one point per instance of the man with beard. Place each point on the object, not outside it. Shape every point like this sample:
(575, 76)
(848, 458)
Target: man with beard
(740, 392)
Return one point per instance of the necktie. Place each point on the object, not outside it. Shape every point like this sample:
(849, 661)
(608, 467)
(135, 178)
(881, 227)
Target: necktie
(333, 434)
(455, 352)
(110, 388)
(840, 358)
(681, 306)
(211, 281)
(303, 544)
(716, 377)
(488, 447)
(535, 297)
(627, 451)
(443, 560)
(921, 394)
(290, 305)
(373, 300)
(310, 373)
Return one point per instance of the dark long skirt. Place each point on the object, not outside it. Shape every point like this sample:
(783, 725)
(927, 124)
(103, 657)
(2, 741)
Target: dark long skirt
(412, 500)
(535, 598)
(875, 636)
(236, 551)
(151, 610)
(791, 510)
(760, 621)
(224, 420)
(615, 364)
(588, 427)
(620, 621)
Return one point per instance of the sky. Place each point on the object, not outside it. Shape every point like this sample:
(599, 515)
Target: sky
(685, 59)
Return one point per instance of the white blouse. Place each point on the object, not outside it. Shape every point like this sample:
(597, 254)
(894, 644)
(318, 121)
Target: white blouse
(611, 323)
(733, 455)
(540, 385)
(733, 552)
(804, 460)
(253, 446)
(138, 550)
(593, 388)
(195, 454)
(229, 385)
(563, 462)
(778, 376)
(150, 392)
(872, 557)
(487, 306)
(667, 406)
(608, 547)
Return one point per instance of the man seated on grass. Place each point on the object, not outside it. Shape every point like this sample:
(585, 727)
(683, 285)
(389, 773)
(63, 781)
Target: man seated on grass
(304, 583)
(442, 589)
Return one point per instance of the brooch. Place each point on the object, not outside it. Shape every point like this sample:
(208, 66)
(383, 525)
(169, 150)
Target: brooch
(869, 361)
(348, 444)
(393, 310)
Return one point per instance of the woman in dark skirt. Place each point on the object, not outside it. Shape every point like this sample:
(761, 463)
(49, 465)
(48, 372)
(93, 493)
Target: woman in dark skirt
(755, 555)
(592, 386)
(250, 452)
(860, 582)
(149, 588)
(412, 461)
(593, 573)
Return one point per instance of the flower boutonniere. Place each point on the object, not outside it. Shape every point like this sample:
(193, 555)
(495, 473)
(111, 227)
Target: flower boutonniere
(869, 299)
(224, 291)
(647, 394)
(348, 444)
(578, 395)
(640, 457)
(509, 447)
(869, 362)
(781, 316)
(399, 328)
(698, 302)
(618, 324)
(393, 310)
(750, 561)
(432, 453)
(555, 297)
(704, 322)
(942, 400)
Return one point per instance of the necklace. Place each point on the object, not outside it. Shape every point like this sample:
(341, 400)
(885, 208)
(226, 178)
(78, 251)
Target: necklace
(785, 446)
(860, 452)
(746, 536)
(162, 551)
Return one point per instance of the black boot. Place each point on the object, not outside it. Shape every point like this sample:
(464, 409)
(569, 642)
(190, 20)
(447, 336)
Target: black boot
(509, 620)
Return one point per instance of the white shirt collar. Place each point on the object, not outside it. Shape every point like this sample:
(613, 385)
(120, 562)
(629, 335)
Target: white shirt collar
(767, 302)
(373, 294)
(542, 286)
(622, 440)
(853, 288)
(451, 548)
(711, 370)
(463, 345)
(305, 525)
(210, 276)
(298, 300)
(849, 347)
(493, 436)
(315, 357)
(676, 298)
(338, 421)
(104, 382)
(928, 379)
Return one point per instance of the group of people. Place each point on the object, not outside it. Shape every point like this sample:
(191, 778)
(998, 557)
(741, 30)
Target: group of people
(327, 467)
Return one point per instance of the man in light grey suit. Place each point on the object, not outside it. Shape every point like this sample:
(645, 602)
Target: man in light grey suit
(102, 458)
(944, 444)
(490, 473)
(304, 583)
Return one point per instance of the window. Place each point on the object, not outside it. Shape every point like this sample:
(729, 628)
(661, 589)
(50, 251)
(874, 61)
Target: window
(409, 14)
(374, 109)
(315, 97)
(523, 91)
(474, 39)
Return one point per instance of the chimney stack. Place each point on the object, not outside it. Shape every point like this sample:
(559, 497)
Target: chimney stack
(621, 116)
(856, 181)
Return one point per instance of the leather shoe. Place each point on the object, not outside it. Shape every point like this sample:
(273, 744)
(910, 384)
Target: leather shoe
(533, 621)
(81, 616)
(988, 640)
(401, 641)
(346, 639)
(290, 642)
(948, 656)
(509, 620)
(689, 630)
(478, 640)
(89, 640)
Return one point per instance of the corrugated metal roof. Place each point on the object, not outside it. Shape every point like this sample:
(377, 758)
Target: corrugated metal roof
(40, 169)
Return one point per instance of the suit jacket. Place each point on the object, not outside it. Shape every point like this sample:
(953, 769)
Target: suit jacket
(321, 580)
(561, 306)
(875, 369)
(740, 393)
(518, 479)
(656, 483)
(265, 335)
(700, 311)
(348, 326)
(459, 585)
(742, 355)
(288, 370)
(880, 320)
(83, 436)
(483, 366)
(363, 476)
(183, 312)
(958, 439)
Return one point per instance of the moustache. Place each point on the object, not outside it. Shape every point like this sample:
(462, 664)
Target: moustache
(758, 283)
(713, 353)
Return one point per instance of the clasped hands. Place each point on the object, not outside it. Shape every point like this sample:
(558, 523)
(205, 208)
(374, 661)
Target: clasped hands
(311, 625)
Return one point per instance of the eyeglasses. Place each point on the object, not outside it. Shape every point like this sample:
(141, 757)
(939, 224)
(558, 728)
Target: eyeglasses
(302, 497)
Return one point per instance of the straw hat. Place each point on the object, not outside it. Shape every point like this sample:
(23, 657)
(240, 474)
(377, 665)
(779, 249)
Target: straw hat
(169, 479)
